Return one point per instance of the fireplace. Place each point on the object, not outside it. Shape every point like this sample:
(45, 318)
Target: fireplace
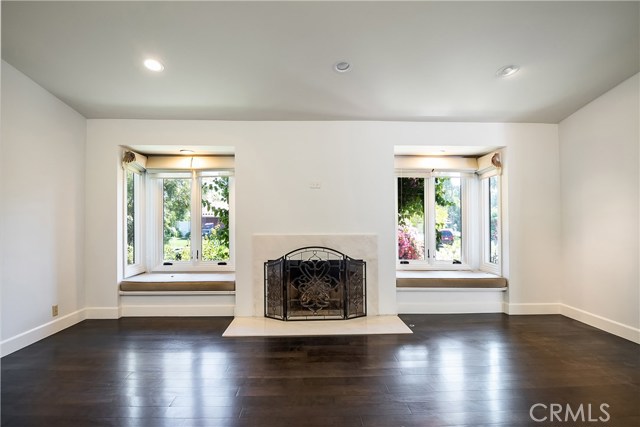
(315, 283)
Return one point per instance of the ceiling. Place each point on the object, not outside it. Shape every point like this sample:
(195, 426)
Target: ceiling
(411, 61)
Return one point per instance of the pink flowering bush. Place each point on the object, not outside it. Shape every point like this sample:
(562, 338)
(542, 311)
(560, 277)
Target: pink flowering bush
(409, 247)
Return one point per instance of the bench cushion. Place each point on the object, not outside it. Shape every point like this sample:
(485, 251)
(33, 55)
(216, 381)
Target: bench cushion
(177, 282)
(448, 279)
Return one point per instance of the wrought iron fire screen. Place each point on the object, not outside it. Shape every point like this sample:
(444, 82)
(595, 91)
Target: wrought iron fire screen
(315, 283)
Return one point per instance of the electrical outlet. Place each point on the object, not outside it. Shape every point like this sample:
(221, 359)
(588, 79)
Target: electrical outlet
(54, 310)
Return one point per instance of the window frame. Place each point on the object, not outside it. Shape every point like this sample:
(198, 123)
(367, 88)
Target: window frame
(430, 263)
(485, 264)
(156, 222)
(138, 203)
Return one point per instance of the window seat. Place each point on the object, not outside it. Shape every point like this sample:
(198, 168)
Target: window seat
(449, 279)
(174, 283)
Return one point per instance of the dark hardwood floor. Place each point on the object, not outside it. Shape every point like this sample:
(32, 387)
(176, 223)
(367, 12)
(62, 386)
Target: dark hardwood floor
(455, 370)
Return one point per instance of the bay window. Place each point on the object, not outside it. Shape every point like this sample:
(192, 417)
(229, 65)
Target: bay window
(448, 213)
(177, 213)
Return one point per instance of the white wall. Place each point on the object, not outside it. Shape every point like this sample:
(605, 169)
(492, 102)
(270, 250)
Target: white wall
(533, 205)
(599, 160)
(276, 161)
(44, 187)
(42, 214)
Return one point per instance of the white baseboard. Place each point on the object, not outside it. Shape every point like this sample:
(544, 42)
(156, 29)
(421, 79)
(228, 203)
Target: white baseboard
(176, 310)
(616, 328)
(611, 326)
(531, 308)
(103, 312)
(34, 335)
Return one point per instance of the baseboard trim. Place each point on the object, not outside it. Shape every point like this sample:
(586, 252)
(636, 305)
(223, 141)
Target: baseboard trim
(449, 308)
(616, 328)
(103, 312)
(611, 326)
(177, 310)
(34, 335)
(531, 308)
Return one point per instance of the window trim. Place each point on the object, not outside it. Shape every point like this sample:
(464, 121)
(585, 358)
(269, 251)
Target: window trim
(155, 223)
(138, 185)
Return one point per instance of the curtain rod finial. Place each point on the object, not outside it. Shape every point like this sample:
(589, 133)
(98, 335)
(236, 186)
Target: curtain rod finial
(128, 157)
(495, 160)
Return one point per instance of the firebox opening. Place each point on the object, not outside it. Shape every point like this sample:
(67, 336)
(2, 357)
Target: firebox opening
(315, 283)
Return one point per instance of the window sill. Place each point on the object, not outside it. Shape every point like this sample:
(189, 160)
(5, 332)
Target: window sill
(187, 267)
(448, 279)
(419, 267)
(178, 283)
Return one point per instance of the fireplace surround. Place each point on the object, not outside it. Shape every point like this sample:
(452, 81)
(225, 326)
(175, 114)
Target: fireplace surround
(315, 283)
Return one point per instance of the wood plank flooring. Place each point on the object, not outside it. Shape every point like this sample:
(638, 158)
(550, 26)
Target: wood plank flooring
(455, 370)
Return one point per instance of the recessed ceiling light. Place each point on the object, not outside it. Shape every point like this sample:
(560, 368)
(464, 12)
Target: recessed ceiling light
(153, 65)
(186, 151)
(507, 70)
(342, 66)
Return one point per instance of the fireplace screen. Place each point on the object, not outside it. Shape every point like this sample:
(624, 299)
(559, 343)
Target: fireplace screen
(315, 283)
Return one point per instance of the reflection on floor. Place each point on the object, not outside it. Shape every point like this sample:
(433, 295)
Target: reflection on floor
(263, 327)
(459, 370)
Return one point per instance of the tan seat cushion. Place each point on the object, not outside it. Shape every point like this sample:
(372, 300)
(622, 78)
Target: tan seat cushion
(158, 282)
(448, 279)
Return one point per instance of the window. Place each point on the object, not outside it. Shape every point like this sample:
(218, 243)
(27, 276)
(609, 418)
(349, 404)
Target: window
(214, 219)
(448, 219)
(491, 223)
(133, 263)
(430, 219)
(194, 221)
(176, 219)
